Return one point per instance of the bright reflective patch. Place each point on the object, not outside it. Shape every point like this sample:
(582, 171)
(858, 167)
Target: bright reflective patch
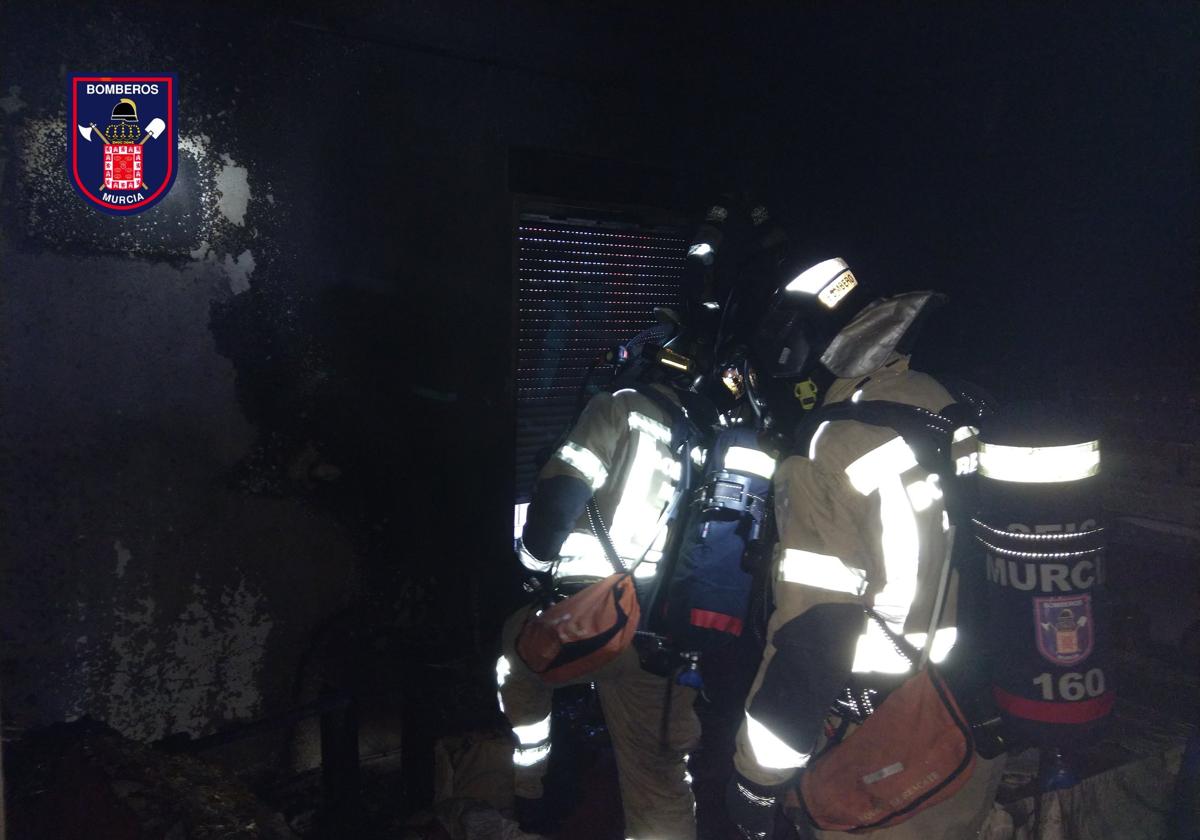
(1039, 464)
(581, 555)
(822, 571)
(746, 460)
(585, 461)
(529, 561)
(875, 651)
(812, 444)
(635, 521)
(901, 552)
(529, 756)
(585, 566)
(533, 733)
(922, 494)
(943, 641)
(964, 432)
(640, 422)
(883, 773)
(812, 280)
(842, 285)
(646, 569)
(889, 459)
(520, 514)
(769, 751)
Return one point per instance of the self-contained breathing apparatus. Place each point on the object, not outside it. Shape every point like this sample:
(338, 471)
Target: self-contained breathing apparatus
(931, 436)
(1029, 664)
(720, 515)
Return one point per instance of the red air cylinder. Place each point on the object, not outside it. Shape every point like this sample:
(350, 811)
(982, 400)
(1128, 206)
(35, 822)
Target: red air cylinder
(1040, 534)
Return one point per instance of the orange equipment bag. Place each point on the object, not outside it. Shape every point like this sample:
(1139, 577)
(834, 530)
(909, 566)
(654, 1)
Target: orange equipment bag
(915, 751)
(577, 635)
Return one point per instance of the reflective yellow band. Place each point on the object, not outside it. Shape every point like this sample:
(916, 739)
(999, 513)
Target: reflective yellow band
(532, 734)
(889, 459)
(769, 751)
(964, 432)
(821, 571)
(529, 756)
(584, 460)
(746, 460)
(641, 423)
(1039, 464)
(876, 653)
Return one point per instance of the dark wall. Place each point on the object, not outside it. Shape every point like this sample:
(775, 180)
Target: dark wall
(286, 388)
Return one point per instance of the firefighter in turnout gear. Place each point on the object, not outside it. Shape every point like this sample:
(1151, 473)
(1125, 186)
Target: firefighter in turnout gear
(860, 524)
(614, 472)
(617, 478)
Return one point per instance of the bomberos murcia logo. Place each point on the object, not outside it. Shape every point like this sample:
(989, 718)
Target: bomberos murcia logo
(122, 155)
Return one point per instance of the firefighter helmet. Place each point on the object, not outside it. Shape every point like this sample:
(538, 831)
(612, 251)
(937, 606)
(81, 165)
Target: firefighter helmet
(125, 110)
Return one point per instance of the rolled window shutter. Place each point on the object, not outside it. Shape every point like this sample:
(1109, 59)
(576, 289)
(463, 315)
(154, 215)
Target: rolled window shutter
(582, 288)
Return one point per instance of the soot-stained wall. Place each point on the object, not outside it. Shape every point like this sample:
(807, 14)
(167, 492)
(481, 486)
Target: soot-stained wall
(284, 389)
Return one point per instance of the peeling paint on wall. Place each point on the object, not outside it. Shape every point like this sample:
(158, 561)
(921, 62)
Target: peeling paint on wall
(239, 270)
(233, 186)
(203, 664)
(206, 215)
(157, 598)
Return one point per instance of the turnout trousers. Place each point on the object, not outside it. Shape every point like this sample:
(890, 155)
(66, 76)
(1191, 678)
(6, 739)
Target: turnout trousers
(655, 793)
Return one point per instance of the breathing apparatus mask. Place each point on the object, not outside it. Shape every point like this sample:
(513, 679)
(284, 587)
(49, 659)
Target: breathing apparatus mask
(664, 353)
(791, 305)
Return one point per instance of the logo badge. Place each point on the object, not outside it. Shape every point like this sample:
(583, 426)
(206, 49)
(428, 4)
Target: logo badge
(1064, 628)
(123, 151)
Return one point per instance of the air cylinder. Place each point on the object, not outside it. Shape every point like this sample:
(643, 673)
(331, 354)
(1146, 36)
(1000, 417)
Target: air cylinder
(1040, 533)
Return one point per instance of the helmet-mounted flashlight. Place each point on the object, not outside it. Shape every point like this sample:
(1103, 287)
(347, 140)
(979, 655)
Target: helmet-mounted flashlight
(671, 359)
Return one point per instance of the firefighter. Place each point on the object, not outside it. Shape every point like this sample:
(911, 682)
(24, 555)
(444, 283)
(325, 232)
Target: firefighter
(619, 454)
(860, 524)
(623, 455)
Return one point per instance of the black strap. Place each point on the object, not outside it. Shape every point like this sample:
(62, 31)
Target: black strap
(682, 430)
(600, 530)
(927, 433)
(902, 645)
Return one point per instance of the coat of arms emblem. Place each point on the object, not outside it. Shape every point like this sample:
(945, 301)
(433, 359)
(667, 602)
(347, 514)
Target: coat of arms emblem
(1064, 628)
(122, 151)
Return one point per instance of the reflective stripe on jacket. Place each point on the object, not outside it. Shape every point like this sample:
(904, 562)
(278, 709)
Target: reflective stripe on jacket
(859, 519)
(620, 447)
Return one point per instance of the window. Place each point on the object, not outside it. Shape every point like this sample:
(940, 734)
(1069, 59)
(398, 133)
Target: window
(583, 286)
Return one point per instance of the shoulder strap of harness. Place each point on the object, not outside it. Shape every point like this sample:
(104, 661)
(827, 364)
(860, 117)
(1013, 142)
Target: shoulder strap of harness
(683, 430)
(929, 434)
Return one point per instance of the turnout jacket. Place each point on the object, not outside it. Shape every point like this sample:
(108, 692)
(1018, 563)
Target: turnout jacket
(619, 453)
(860, 524)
